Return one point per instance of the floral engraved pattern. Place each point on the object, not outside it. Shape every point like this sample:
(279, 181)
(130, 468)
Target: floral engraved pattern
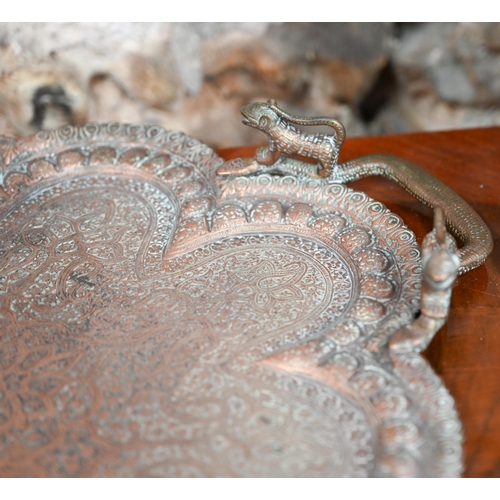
(8, 150)
(158, 321)
(266, 284)
(243, 290)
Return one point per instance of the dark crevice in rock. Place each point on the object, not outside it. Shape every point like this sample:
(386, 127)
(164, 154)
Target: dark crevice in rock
(401, 29)
(379, 95)
(50, 99)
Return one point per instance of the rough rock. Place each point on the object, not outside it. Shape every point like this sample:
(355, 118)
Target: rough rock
(447, 77)
(375, 77)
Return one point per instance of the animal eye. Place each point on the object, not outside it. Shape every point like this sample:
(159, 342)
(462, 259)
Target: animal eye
(264, 122)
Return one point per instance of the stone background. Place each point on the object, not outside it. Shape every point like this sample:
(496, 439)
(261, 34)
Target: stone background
(375, 77)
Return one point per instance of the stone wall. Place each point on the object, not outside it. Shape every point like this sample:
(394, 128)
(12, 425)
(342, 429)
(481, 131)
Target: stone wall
(375, 77)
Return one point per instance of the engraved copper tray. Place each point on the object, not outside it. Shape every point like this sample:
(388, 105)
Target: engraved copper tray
(159, 320)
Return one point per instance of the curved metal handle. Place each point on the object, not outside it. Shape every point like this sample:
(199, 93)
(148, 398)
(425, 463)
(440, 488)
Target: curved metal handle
(460, 217)
(285, 139)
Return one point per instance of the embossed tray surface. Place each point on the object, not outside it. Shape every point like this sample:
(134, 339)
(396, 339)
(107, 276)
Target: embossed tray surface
(159, 320)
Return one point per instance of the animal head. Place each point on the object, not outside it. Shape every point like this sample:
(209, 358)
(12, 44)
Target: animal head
(260, 115)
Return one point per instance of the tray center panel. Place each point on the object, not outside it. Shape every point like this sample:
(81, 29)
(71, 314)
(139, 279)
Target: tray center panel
(109, 358)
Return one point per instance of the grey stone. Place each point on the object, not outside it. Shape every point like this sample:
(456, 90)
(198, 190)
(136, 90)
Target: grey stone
(196, 76)
(185, 46)
(492, 36)
(424, 45)
(359, 43)
(488, 71)
(452, 82)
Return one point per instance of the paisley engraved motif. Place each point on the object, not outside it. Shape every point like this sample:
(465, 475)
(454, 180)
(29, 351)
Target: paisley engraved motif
(157, 322)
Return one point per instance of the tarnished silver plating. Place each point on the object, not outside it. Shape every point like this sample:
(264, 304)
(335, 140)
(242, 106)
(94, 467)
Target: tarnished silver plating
(162, 315)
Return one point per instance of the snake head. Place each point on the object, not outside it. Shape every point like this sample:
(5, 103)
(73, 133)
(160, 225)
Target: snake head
(259, 115)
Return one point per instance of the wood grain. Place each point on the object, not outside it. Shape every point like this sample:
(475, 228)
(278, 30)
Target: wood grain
(466, 352)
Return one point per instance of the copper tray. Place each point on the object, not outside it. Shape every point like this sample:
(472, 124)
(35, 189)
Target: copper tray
(160, 320)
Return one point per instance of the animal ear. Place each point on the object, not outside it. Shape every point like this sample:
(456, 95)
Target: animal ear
(264, 122)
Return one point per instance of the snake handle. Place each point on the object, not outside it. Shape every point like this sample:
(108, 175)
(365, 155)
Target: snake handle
(461, 219)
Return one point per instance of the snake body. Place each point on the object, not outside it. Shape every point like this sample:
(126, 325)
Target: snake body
(461, 219)
(286, 139)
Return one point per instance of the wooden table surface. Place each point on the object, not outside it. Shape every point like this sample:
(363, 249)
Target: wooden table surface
(466, 351)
